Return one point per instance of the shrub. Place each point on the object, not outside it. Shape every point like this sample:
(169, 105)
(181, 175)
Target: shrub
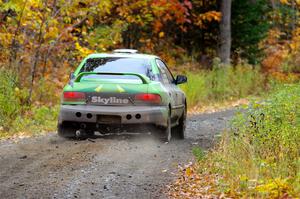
(9, 100)
(259, 156)
(15, 115)
(38, 120)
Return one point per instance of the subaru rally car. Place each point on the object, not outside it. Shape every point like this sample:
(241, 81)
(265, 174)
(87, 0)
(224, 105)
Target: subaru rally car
(120, 89)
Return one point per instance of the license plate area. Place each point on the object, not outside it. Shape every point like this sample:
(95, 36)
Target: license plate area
(109, 119)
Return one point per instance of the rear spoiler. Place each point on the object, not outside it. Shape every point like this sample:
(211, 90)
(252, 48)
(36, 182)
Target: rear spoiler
(144, 79)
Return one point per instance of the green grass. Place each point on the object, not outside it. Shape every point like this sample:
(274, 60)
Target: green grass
(259, 157)
(10, 99)
(37, 120)
(34, 121)
(222, 84)
(198, 153)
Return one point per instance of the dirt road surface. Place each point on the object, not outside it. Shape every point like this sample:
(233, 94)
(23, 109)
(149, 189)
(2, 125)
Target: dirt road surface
(119, 166)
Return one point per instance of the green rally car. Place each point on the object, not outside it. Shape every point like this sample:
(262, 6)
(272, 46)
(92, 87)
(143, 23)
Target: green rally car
(122, 89)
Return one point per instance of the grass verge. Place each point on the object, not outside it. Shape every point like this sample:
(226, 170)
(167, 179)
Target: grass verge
(222, 84)
(258, 157)
(19, 118)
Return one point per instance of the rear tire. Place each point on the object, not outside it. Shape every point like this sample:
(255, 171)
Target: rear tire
(167, 132)
(66, 131)
(179, 130)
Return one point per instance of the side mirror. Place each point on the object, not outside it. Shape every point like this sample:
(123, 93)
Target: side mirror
(180, 79)
(72, 76)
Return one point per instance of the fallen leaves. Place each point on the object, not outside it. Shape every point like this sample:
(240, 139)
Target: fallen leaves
(193, 184)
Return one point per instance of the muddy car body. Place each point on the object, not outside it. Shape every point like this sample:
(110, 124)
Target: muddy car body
(122, 89)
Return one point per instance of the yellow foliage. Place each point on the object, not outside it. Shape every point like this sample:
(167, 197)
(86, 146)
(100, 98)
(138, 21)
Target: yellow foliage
(274, 188)
(161, 34)
(35, 3)
(82, 50)
(208, 17)
(295, 42)
(285, 2)
(52, 33)
(5, 38)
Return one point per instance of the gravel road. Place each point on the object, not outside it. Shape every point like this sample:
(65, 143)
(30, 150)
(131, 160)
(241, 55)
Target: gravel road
(119, 166)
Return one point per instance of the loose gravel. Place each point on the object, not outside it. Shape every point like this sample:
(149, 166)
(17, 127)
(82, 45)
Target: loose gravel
(113, 166)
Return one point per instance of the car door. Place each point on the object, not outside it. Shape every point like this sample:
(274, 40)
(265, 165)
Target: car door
(174, 92)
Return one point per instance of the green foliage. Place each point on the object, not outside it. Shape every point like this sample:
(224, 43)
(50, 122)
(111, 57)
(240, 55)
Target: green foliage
(223, 83)
(198, 153)
(15, 115)
(250, 25)
(106, 36)
(38, 120)
(10, 106)
(260, 156)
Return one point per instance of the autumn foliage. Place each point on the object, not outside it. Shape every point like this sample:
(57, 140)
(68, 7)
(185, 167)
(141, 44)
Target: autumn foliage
(45, 40)
(42, 41)
(281, 46)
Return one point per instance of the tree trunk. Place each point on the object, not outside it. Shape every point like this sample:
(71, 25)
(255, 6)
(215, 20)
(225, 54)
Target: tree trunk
(35, 60)
(274, 4)
(14, 48)
(225, 32)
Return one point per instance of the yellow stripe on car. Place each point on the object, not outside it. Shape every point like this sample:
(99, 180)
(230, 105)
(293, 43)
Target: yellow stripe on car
(98, 89)
(120, 89)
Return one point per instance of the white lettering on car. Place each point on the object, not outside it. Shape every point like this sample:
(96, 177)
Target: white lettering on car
(110, 100)
(94, 99)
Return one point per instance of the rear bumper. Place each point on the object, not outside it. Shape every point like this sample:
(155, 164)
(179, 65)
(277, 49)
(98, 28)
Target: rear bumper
(148, 114)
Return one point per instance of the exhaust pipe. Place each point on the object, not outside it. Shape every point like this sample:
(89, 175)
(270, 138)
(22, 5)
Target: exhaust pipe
(82, 126)
(78, 133)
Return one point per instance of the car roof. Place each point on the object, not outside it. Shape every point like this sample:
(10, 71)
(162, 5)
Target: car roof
(125, 55)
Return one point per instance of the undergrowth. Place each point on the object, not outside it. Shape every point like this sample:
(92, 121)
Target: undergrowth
(16, 115)
(222, 84)
(259, 157)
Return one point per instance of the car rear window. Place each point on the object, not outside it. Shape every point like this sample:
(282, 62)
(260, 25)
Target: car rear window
(117, 65)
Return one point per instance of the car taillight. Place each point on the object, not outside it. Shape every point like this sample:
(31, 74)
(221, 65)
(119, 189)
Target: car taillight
(149, 98)
(73, 97)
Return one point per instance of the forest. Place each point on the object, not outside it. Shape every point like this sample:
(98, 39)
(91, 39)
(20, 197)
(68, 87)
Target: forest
(229, 49)
(42, 41)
